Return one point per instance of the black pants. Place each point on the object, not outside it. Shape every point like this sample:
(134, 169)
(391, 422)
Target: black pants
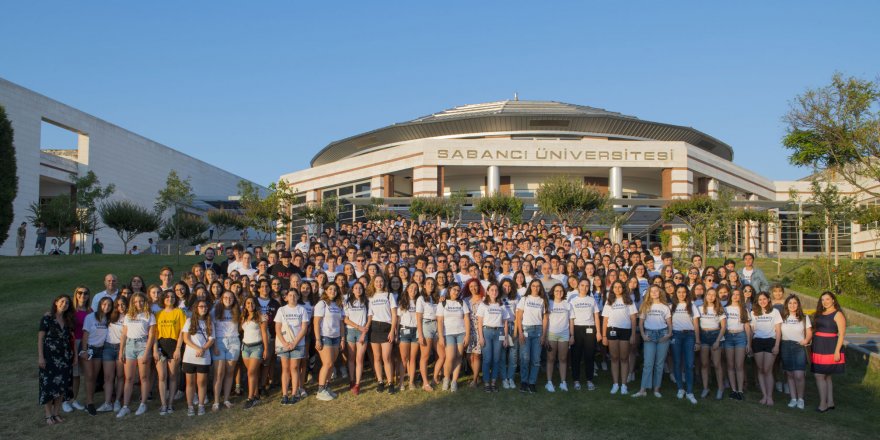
(584, 350)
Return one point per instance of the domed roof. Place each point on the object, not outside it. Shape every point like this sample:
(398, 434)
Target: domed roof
(520, 118)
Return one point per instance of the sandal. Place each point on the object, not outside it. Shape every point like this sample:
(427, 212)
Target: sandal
(50, 420)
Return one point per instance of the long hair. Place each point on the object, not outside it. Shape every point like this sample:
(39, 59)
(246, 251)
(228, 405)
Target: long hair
(688, 299)
(362, 299)
(371, 289)
(88, 296)
(467, 287)
(511, 295)
(431, 295)
(757, 309)
(540, 289)
(115, 315)
(195, 318)
(67, 315)
(100, 316)
(716, 304)
(220, 308)
(741, 304)
(648, 302)
(132, 312)
(799, 313)
(821, 309)
(612, 297)
(247, 315)
(336, 299)
(404, 302)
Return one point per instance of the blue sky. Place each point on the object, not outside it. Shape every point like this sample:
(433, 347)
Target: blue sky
(259, 87)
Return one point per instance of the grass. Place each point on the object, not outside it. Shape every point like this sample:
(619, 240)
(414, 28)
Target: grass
(27, 286)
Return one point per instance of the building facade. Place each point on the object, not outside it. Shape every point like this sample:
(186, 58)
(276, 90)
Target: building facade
(137, 166)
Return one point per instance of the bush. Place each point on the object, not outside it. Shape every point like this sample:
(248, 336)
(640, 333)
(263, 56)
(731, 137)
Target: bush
(8, 177)
(857, 279)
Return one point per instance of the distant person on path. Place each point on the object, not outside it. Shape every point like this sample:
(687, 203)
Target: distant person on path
(753, 276)
(56, 358)
(97, 247)
(210, 233)
(19, 239)
(828, 357)
(153, 247)
(41, 238)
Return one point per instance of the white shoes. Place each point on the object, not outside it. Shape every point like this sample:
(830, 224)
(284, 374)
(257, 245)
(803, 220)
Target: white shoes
(577, 386)
(640, 394)
(615, 389)
(124, 411)
(77, 406)
(623, 389)
(590, 386)
(178, 395)
(201, 410)
(563, 387)
(445, 384)
(792, 403)
(704, 393)
(779, 387)
(680, 394)
(550, 388)
(719, 394)
(65, 406)
(105, 407)
(800, 404)
(324, 396)
(691, 398)
(142, 408)
(657, 394)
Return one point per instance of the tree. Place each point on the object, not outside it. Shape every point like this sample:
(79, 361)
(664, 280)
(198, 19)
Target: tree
(374, 211)
(8, 176)
(828, 210)
(184, 226)
(59, 216)
(89, 193)
(701, 215)
(567, 198)
(749, 216)
(837, 127)
(320, 213)
(128, 220)
(176, 195)
(224, 220)
(501, 206)
(269, 214)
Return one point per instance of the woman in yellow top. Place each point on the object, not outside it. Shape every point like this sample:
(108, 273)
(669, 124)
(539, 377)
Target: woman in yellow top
(166, 352)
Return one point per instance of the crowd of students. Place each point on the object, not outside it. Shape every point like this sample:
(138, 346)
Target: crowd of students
(482, 300)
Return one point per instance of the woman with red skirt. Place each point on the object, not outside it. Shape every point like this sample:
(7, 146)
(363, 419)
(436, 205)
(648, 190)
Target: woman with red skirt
(828, 359)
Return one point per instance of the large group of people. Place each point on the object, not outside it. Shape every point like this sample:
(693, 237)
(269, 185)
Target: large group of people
(432, 306)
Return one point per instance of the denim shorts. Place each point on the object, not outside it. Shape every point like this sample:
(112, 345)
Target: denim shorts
(455, 339)
(408, 335)
(708, 337)
(135, 348)
(429, 328)
(352, 335)
(252, 351)
(735, 340)
(330, 342)
(297, 353)
(110, 352)
(556, 337)
(97, 352)
(229, 348)
(794, 356)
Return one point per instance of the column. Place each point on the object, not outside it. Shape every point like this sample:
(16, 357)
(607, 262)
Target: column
(493, 180)
(615, 190)
(377, 186)
(713, 188)
(676, 183)
(425, 181)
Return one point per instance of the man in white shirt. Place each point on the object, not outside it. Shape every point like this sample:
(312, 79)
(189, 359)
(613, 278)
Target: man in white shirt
(303, 245)
(236, 264)
(111, 290)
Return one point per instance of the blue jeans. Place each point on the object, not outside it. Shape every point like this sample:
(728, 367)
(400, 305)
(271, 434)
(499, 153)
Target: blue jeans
(683, 359)
(508, 368)
(655, 357)
(491, 353)
(530, 355)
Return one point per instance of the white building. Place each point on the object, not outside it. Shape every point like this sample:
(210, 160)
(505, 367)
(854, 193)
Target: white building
(136, 165)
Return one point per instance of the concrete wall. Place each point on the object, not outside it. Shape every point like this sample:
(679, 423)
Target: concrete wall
(136, 165)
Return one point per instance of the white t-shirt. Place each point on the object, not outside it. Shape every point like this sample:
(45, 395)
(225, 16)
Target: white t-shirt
(734, 320)
(114, 332)
(381, 304)
(584, 309)
(533, 310)
(763, 326)
(619, 314)
(333, 315)
(224, 326)
(100, 295)
(200, 339)
(139, 326)
(709, 320)
(356, 311)
(656, 317)
(681, 320)
(427, 308)
(560, 318)
(407, 318)
(493, 314)
(252, 331)
(294, 317)
(453, 313)
(97, 330)
(794, 330)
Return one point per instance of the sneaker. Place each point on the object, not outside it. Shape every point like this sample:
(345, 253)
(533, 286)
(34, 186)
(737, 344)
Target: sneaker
(283, 400)
(380, 387)
(228, 404)
(680, 394)
(577, 386)
(162, 411)
(65, 406)
(142, 408)
(604, 366)
(740, 395)
(590, 386)
(215, 407)
(77, 406)
(640, 394)
(615, 389)
(453, 387)
(532, 389)
(116, 406)
(691, 398)
(178, 395)
(631, 377)
(672, 378)
(191, 411)
(302, 393)
(623, 389)
(124, 411)
(719, 394)
(704, 393)
(169, 410)
(657, 394)
(323, 395)
(201, 410)
(550, 388)
(792, 403)
(523, 387)
(494, 388)
(563, 386)
(392, 389)
(248, 404)
(90, 408)
(445, 384)
(785, 387)
(292, 400)
(356, 389)
(332, 393)
(105, 407)
(800, 404)
(732, 395)
(779, 387)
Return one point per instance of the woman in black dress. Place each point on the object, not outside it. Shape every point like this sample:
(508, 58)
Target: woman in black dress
(56, 359)
(827, 359)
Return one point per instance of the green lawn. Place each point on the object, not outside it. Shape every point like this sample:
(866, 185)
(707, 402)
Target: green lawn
(27, 286)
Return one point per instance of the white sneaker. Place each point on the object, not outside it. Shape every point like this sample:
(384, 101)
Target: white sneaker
(76, 405)
(691, 399)
(550, 388)
(604, 366)
(303, 393)
(719, 395)
(445, 384)
(201, 410)
(577, 386)
(800, 404)
(615, 388)
(178, 395)
(704, 393)
(672, 378)
(631, 377)
(680, 394)
(657, 394)
(623, 389)
(779, 387)
(640, 394)
(590, 386)
(105, 407)
(162, 411)
(324, 396)
(142, 408)
(563, 387)
(65, 406)
(124, 411)
(116, 406)
(191, 411)
(453, 387)
(792, 403)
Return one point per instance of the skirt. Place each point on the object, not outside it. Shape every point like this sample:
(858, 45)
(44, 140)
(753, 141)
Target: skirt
(822, 360)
